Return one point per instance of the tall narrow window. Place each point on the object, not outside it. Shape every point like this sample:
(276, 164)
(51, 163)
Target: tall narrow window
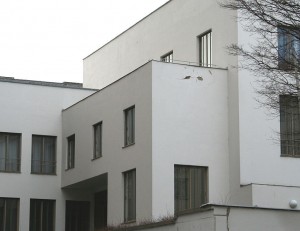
(168, 58)
(205, 49)
(42, 214)
(129, 126)
(43, 154)
(9, 214)
(129, 196)
(289, 125)
(288, 47)
(71, 152)
(97, 140)
(10, 146)
(190, 187)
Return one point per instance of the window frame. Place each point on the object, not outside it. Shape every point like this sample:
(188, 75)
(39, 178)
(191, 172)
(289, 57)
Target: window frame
(129, 137)
(189, 187)
(289, 126)
(289, 36)
(100, 125)
(205, 60)
(167, 58)
(17, 200)
(40, 205)
(18, 160)
(127, 204)
(42, 169)
(71, 152)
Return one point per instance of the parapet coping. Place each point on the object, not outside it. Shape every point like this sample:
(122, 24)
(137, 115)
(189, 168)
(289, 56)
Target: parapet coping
(70, 85)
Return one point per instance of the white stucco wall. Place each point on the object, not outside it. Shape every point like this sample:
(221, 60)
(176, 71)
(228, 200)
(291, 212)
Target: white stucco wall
(174, 27)
(107, 106)
(30, 109)
(190, 127)
(260, 158)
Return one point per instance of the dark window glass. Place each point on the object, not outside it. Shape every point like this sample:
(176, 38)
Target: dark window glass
(10, 148)
(129, 126)
(43, 154)
(190, 187)
(129, 195)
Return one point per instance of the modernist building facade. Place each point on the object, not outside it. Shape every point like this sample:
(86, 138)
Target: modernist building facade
(172, 129)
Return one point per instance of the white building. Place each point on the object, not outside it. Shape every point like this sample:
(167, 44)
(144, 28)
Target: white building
(173, 131)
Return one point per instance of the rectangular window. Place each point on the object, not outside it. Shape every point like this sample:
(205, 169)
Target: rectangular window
(288, 47)
(43, 154)
(168, 58)
(97, 140)
(205, 49)
(71, 152)
(10, 149)
(190, 187)
(77, 216)
(129, 196)
(129, 126)
(289, 125)
(42, 215)
(9, 214)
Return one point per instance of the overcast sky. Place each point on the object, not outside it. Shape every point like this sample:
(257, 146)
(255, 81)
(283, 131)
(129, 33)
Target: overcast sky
(47, 39)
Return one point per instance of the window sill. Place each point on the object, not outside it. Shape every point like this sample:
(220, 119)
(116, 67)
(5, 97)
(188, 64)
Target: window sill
(128, 145)
(44, 174)
(96, 158)
(2, 171)
(291, 156)
(68, 169)
(129, 222)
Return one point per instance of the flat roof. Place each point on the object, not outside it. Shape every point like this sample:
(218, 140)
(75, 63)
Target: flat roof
(45, 83)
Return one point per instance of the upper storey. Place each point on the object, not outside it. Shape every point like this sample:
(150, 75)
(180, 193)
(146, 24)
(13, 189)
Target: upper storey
(176, 28)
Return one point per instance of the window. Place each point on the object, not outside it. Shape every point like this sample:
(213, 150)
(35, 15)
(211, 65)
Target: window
(205, 49)
(190, 187)
(9, 214)
(77, 216)
(43, 154)
(168, 58)
(97, 140)
(288, 47)
(289, 125)
(42, 213)
(10, 148)
(129, 195)
(71, 152)
(129, 126)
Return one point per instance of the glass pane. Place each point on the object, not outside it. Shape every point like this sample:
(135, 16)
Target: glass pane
(2, 209)
(35, 215)
(12, 163)
(130, 195)
(11, 214)
(49, 162)
(48, 215)
(2, 152)
(190, 187)
(97, 140)
(37, 152)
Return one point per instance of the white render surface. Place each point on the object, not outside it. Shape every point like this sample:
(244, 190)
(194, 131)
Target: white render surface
(108, 106)
(173, 27)
(215, 218)
(260, 154)
(32, 109)
(165, 135)
(189, 127)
